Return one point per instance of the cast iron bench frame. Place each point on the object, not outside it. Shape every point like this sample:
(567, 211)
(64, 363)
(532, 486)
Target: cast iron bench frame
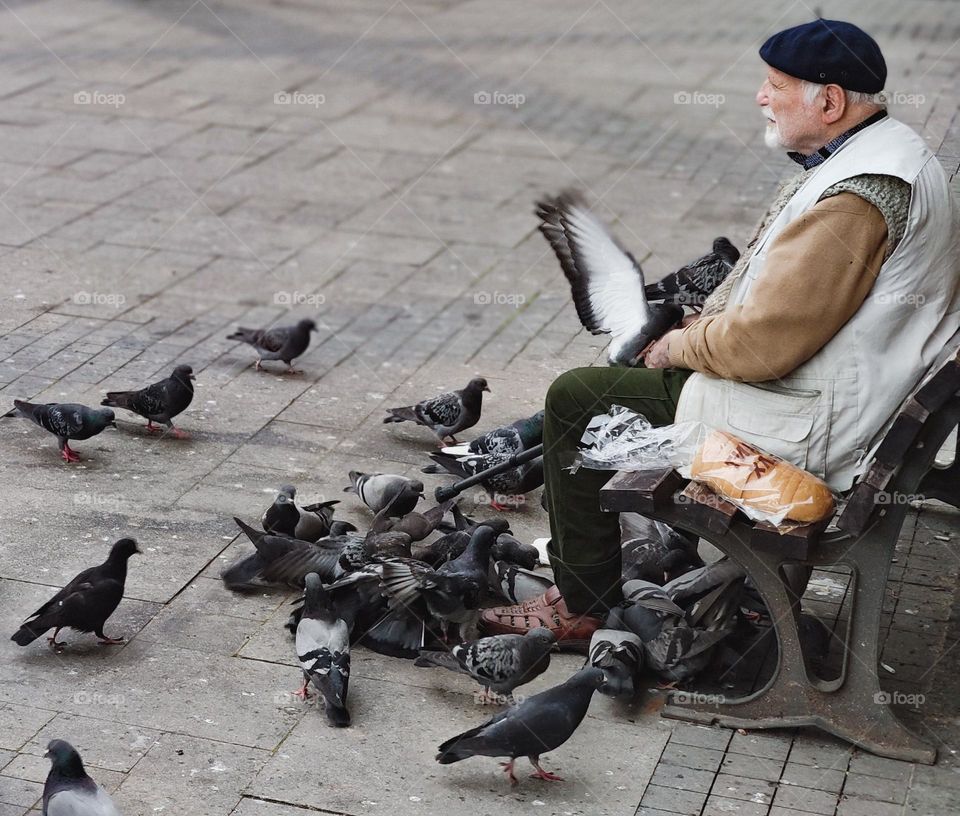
(862, 537)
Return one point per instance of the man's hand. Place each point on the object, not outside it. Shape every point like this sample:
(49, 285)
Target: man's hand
(657, 354)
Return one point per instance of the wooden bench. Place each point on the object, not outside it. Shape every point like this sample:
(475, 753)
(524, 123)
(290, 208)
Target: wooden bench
(862, 537)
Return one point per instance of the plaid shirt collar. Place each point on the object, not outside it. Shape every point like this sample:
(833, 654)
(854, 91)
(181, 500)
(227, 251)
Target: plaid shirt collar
(824, 153)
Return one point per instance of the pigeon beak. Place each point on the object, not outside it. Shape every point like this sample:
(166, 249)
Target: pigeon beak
(486, 388)
(46, 754)
(193, 376)
(113, 424)
(555, 647)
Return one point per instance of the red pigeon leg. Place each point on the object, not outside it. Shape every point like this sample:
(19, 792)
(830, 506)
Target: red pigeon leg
(542, 774)
(68, 454)
(178, 433)
(508, 770)
(303, 693)
(109, 641)
(151, 428)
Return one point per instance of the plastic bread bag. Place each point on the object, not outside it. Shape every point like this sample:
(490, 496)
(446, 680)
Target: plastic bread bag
(625, 440)
(762, 485)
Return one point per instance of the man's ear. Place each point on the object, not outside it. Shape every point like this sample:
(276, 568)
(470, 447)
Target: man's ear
(833, 103)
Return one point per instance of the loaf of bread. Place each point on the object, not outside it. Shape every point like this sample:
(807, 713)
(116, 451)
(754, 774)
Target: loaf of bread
(759, 481)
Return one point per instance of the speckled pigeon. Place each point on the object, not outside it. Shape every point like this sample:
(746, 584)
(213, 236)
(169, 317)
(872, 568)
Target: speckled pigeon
(692, 284)
(159, 402)
(278, 343)
(69, 791)
(539, 724)
(446, 414)
(499, 663)
(66, 421)
(510, 439)
(605, 280)
(506, 490)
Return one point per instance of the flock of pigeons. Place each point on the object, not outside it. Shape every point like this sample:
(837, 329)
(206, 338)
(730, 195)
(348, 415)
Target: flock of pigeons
(413, 585)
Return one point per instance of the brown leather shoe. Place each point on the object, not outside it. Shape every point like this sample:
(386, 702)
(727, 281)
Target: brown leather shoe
(549, 610)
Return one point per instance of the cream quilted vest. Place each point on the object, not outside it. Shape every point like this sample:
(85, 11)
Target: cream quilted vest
(830, 412)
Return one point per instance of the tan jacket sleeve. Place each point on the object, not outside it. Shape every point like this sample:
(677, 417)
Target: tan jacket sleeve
(818, 272)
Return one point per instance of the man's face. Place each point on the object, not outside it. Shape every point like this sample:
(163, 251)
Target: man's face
(792, 123)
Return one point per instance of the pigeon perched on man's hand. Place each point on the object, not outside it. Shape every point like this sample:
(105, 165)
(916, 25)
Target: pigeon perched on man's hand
(539, 724)
(159, 402)
(692, 284)
(605, 280)
(85, 603)
(284, 343)
(66, 421)
(68, 790)
(446, 414)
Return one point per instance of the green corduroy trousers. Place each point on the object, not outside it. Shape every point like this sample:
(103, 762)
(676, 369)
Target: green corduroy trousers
(585, 541)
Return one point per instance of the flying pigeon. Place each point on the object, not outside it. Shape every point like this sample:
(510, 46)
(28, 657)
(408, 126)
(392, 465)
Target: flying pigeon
(506, 490)
(279, 343)
(159, 402)
(380, 491)
(453, 591)
(606, 281)
(692, 284)
(85, 603)
(509, 440)
(66, 421)
(307, 523)
(499, 663)
(446, 414)
(539, 724)
(323, 649)
(284, 561)
(68, 790)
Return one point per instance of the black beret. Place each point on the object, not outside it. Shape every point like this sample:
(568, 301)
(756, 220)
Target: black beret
(828, 52)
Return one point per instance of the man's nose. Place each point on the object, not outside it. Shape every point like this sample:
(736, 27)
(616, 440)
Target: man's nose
(762, 98)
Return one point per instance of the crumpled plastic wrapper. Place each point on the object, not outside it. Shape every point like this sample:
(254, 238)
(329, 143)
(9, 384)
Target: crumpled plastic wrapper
(625, 440)
(764, 486)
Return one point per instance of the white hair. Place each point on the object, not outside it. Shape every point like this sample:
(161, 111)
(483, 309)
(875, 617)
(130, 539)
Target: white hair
(811, 90)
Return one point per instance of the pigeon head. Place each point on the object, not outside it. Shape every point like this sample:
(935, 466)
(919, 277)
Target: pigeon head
(417, 487)
(531, 431)
(589, 676)
(64, 759)
(482, 540)
(107, 417)
(307, 325)
(124, 548)
(541, 637)
(287, 493)
(478, 384)
(183, 373)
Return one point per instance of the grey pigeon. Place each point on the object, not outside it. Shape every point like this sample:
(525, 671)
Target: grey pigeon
(510, 439)
(605, 280)
(653, 551)
(513, 551)
(85, 603)
(323, 649)
(539, 724)
(442, 549)
(416, 525)
(499, 663)
(68, 790)
(516, 584)
(380, 491)
(307, 523)
(692, 284)
(446, 414)
(66, 421)
(282, 561)
(159, 402)
(278, 343)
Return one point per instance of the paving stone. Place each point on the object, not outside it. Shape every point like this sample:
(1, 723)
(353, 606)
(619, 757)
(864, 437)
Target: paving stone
(872, 787)
(808, 799)
(704, 759)
(808, 776)
(854, 806)
(720, 806)
(740, 787)
(699, 736)
(686, 802)
(752, 767)
(766, 746)
(676, 776)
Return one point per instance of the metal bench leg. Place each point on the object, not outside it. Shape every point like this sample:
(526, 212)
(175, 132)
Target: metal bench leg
(943, 483)
(853, 707)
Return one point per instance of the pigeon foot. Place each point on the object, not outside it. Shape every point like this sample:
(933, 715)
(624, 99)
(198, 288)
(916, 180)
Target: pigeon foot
(302, 692)
(69, 455)
(178, 434)
(109, 641)
(54, 643)
(541, 773)
(508, 770)
(151, 428)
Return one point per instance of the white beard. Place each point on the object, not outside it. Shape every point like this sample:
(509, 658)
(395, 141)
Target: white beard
(771, 136)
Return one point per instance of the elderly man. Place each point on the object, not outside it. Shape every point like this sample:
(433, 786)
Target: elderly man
(836, 309)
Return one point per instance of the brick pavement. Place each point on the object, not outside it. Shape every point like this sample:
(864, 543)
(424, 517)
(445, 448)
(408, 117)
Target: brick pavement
(172, 168)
